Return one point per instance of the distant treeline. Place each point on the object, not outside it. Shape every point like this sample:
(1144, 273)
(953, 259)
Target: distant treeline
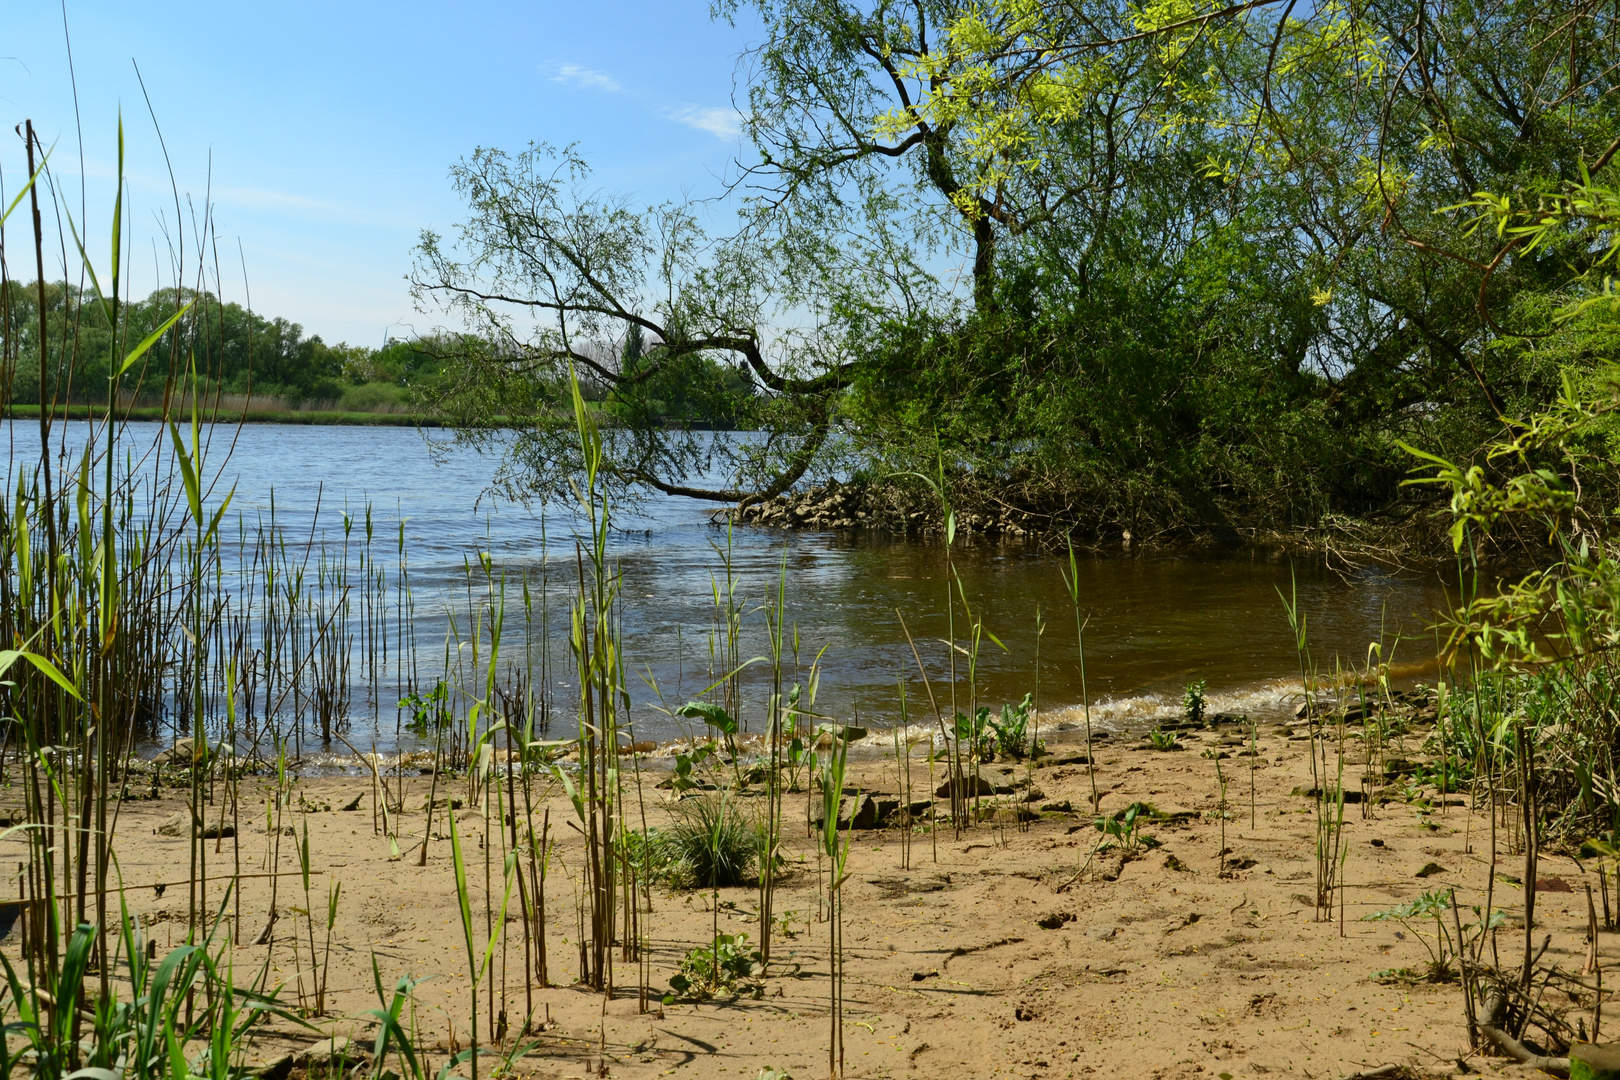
(235, 351)
(247, 363)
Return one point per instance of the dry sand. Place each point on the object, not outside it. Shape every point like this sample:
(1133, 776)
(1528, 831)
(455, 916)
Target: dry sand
(1008, 954)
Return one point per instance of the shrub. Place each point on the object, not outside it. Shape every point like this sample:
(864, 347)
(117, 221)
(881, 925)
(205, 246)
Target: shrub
(713, 845)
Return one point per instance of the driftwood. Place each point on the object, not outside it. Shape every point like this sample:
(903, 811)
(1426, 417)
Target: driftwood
(1515, 1049)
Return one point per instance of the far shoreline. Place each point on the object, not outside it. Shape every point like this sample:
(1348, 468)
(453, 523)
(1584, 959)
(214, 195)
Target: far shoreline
(152, 414)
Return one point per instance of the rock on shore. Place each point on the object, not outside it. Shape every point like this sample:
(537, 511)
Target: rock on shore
(882, 507)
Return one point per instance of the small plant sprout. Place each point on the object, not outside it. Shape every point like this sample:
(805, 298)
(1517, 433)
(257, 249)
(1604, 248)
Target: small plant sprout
(1221, 812)
(1161, 739)
(728, 966)
(1122, 830)
(1435, 905)
(1193, 702)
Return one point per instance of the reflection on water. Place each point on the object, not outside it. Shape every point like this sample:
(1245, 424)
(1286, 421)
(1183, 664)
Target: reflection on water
(1151, 624)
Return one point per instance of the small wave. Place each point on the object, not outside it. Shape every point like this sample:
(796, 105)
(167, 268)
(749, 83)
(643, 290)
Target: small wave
(1271, 698)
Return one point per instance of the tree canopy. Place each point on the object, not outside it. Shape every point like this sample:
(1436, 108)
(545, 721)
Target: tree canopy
(1167, 266)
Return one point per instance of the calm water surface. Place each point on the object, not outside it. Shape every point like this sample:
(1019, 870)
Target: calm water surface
(1152, 624)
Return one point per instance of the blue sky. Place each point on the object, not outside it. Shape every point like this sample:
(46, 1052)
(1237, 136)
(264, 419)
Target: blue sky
(329, 127)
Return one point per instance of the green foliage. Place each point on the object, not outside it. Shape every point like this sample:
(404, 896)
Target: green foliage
(711, 845)
(430, 712)
(1192, 702)
(1012, 729)
(653, 856)
(234, 351)
(685, 777)
(145, 1036)
(1431, 905)
(1122, 829)
(1161, 739)
(975, 733)
(710, 714)
(725, 966)
(1222, 265)
(667, 327)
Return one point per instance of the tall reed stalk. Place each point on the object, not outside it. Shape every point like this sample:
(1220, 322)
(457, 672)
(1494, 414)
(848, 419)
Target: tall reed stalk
(599, 663)
(836, 847)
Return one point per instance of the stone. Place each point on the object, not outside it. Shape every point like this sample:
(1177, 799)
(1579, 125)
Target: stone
(997, 782)
(277, 1068)
(1594, 1061)
(889, 809)
(330, 1055)
(1350, 795)
(854, 812)
(968, 785)
(175, 825)
(183, 751)
(1005, 814)
(1055, 919)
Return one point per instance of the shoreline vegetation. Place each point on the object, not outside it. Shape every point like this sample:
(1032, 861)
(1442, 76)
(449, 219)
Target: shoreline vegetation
(269, 415)
(1232, 272)
(1182, 940)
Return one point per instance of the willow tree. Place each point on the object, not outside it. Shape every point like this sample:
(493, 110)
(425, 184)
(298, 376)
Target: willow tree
(1356, 125)
(836, 108)
(670, 330)
(1276, 157)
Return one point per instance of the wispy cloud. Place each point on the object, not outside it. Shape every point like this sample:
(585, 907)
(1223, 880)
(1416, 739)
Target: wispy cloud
(722, 123)
(262, 199)
(574, 75)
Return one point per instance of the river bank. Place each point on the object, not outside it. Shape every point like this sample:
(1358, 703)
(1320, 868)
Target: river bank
(1014, 949)
(155, 414)
(1408, 537)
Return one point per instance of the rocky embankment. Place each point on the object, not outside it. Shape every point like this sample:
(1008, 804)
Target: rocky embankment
(883, 507)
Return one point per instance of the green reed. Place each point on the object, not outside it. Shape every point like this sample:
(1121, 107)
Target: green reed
(1071, 582)
(835, 848)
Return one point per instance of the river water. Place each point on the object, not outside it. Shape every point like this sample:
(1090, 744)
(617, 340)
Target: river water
(1152, 624)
